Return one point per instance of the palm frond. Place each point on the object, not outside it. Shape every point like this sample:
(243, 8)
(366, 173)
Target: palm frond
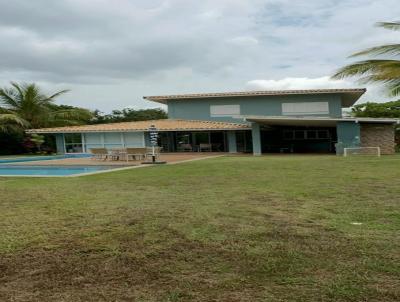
(8, 98)
(394, 87)
(11, 122)
(382, 71)
(389, 25)
(390, 49)
(18, 89)
(392, 84)
(31, 93)
(12, 118)
(28, 102)
(367, 66)
(52, 97)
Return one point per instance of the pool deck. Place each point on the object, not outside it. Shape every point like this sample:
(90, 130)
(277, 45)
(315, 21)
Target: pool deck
(168, 157)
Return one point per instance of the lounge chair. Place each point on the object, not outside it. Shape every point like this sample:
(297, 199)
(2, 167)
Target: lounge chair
(135, 153)
(205, 147)
(116, 154)
(185, 147)
(99, 153)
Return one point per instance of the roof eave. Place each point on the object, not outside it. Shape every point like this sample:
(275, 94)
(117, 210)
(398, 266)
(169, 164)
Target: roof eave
(350, 98)
(146, 130)
(351, 95)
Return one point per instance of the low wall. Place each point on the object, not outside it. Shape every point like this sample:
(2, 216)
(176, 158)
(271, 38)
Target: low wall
(378, 135)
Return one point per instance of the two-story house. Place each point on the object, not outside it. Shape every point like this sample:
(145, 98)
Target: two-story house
(290, 121)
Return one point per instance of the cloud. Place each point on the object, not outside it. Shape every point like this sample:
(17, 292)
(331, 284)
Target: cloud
(244, 40)
(111, 53)
(374, 93)
(298, 83)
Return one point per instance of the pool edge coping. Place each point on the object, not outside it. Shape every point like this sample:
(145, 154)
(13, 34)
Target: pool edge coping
(111, 170)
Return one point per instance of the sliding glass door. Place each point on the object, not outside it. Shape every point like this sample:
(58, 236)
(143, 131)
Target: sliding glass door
(73, 143)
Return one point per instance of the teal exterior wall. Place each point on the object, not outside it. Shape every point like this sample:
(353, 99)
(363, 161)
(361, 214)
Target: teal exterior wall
(60, 143)
(256, 138)
(348, 135)
(199, 109)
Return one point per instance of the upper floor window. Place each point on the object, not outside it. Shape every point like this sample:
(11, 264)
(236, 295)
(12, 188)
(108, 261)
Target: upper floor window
(305, 108)
(224, 110)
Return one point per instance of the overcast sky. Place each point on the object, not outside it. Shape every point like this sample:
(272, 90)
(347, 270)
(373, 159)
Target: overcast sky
(111, 53)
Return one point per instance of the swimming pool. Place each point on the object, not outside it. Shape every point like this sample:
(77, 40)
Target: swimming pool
(10, 170)
(44, 157)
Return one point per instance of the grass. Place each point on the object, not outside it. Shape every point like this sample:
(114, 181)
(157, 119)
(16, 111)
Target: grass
(273, 228)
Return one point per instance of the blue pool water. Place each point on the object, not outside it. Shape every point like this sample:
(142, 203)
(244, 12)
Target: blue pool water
(36, 158)
(9, 170)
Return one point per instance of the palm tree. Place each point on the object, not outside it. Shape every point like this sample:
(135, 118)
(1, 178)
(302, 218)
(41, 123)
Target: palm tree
(26, 106)
(383, 70)
(10, 122)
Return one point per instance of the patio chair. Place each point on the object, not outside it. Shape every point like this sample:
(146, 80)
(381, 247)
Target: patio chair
(216, 147)
(116, 154)
(134, 153)
(99, 153)
(185, 147)
(205, 147)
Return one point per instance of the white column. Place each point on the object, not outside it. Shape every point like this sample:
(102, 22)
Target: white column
(83, 142)
(122, 140)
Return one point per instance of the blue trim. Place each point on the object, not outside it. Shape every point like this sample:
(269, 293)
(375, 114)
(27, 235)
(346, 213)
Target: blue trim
(38, 158)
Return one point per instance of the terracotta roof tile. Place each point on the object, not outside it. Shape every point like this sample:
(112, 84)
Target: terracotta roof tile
(161, 125)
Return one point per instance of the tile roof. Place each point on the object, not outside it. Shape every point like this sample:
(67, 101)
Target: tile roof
(161, 125)
(356, 92)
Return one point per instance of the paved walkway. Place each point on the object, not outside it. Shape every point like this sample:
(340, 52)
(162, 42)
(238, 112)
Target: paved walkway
(168, 157)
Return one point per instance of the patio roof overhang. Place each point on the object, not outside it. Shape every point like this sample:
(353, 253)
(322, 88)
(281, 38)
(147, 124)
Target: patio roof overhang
(143, 126)
(315, 121)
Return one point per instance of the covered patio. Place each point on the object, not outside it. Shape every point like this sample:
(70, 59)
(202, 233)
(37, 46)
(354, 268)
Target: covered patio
(278, 134)
(173, 136)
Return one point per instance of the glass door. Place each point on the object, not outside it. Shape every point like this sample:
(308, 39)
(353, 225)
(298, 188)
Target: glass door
(73, 143)
(244, 141)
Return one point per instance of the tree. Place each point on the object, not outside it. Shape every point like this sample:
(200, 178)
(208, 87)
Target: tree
(386, 110)
(38, 140)
(383, 70)
(10, 122)
(129, 115)
(28, 105)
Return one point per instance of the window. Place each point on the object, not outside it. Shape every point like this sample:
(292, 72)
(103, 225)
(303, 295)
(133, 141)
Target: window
(299, 134)
(288, 134)
(322, 134)
(201, 137)
(306, 134)
(184, 141)
(224, 110)
(311, 134)
(73, 143)
(305, 108)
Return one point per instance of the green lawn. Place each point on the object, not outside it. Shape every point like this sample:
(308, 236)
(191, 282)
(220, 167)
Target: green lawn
(272, 228)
